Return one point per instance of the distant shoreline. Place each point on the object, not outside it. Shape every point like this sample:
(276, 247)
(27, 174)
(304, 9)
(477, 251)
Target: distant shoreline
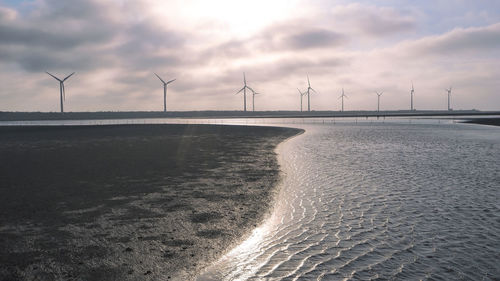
(36, 116)
(130, 202)
(485, 121)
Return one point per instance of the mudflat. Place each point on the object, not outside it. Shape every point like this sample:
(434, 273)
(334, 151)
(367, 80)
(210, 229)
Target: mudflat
(493, 121)
(130, 202)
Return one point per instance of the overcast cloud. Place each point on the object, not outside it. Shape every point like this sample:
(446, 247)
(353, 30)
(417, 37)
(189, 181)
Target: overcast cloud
(115, 46)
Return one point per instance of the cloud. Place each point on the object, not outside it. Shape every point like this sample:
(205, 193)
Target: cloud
(82, 35)
(371, 20)
(58, 25)
(7, 14)
(313, 38)
(115, 46)
(475, 39)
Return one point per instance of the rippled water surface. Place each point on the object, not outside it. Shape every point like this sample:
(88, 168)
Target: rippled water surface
(380, 201)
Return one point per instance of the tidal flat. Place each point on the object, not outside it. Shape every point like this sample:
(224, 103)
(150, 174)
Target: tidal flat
(130, 202)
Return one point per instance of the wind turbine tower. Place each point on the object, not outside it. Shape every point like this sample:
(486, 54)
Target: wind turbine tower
(301, 95)
(61, 88)
(165, 84)
(253, 99)
(309, 94)
(412, 91)
(342, 97)
(449, 97)
(378, 100)
(244, 89)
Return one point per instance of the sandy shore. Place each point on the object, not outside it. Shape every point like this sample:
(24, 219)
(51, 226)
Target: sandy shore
(130, 202)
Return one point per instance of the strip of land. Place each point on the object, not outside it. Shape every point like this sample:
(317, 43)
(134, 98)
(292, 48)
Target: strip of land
(485, 121)
(130, 202)
(37, 116)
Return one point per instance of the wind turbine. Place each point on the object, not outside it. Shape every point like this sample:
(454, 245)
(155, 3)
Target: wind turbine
(449, 97)
(378, 100)
(165, 84)
(342, 97)
(244, 89)
(301, 95)
(309, 94)
(412, 91)
(61, 88)
(253, 98)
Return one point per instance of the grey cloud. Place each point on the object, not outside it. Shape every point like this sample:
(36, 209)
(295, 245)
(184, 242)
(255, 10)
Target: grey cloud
(132, 78)
(145, 36)
(277, 38)
(83, 35)
(33, 36)
(53, 11)
(293, 66)
(40, 59)
(376, 25)
(459, 40)
(52, 38)
(314, 38)
(61, 25)
(298, 34)
(148, 61)
(229, 49)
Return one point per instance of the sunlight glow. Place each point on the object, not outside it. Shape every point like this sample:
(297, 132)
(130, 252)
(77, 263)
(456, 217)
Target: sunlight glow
(238, 17)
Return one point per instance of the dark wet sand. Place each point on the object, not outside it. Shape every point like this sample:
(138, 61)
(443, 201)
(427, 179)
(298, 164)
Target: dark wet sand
(130, 202)
(485, 121)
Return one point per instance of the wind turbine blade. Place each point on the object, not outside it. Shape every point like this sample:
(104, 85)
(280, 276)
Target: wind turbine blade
(314, 90)
(240, 90)
(170, 81)
(53, 76)
(251, 89)
(308, 82)
(68, 76)
(160, 78)
(244, 79)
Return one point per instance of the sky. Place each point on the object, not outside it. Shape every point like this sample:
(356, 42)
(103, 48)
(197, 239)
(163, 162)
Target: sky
(116, 46)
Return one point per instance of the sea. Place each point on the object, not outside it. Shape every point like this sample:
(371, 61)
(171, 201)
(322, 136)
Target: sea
(379, 200)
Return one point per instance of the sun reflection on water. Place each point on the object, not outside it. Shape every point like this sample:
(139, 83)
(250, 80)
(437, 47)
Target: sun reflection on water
(242, 259)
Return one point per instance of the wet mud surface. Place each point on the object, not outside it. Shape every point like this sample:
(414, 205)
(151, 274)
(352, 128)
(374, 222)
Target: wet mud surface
(130, 202)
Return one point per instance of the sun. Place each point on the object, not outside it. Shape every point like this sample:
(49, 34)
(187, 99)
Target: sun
(236, 17)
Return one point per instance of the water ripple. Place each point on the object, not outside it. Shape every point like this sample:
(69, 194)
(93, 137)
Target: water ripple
(378, 202)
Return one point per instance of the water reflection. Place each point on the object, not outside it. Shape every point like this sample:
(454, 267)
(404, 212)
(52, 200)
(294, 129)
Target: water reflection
(384, 201)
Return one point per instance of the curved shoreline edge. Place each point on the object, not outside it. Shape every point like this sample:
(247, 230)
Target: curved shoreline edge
(265, 214)
(131, 202)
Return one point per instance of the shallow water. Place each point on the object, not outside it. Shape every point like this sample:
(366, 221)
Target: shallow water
(379, 201)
